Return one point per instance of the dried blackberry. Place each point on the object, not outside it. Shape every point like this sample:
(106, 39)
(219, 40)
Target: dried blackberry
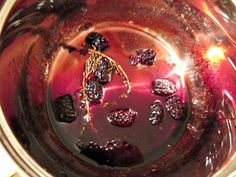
(163, 87)
(133, 60)
(64, 109)
(92, 151)
(122, 117)
(97, 40)
(175, 108)
(157, 113)
(115, 153)
(143, 56)
(121, 154)
(93, 91)
(112, 145)
(104, 71)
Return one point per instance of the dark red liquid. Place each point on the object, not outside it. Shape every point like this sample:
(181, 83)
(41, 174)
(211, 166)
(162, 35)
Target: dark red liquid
(153, 141)
(41, 69)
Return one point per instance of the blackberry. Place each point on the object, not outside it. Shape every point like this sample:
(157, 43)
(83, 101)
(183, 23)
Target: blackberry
(122, 117)
(122, 154)
(157, 113)
(163, 87)
(143, 56)
(133, 60)
(115, 153)
(175, 108)
(94, 91)
(64, 109)
(104, 71)
(92, 151)
(97, 40)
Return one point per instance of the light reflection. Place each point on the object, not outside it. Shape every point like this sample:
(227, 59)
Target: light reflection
(207, 10)
(215, 54)
(179, 69)
(230, 117)
(230, 97)
(232, 63)
(234, 1)
(121, 87)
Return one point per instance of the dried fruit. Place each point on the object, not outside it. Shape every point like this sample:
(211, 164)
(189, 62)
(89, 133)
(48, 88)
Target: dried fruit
(143, 56)
(97, 40)
(92, 151)
(122, 154)
(93, 91)
(64, 109)
(163, 87)
(133, 60)
(157, 113)
(115, 153)
(175, 107)
(122, 117)
(112, 145)
(104, 71)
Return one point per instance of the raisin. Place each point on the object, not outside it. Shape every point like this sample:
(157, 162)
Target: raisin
(122, 117)
(104, 71)
(175, 108)
(94, 91)
(143, 56)
(97, 40)
(157, 113)
(64, 108)
(163, 87)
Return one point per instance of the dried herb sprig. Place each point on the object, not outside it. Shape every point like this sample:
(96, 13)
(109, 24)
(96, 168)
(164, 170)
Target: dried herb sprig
(90, 67)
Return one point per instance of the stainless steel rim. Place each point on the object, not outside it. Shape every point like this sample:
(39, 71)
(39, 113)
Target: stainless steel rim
(27, 166)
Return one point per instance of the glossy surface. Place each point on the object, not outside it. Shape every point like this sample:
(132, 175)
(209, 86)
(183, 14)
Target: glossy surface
(183, 35)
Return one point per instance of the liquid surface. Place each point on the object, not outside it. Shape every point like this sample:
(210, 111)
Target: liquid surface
(170, 115)
(153, 141)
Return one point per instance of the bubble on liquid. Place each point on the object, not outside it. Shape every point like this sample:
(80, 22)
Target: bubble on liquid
(163, 87)
(175, 107)
(122, 117)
